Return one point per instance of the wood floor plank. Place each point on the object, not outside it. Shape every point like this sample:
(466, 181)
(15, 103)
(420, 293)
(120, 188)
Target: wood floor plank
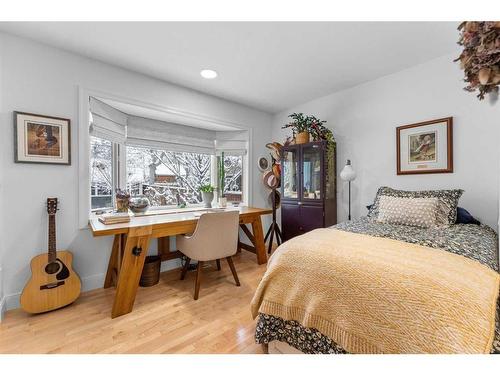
(165, 318)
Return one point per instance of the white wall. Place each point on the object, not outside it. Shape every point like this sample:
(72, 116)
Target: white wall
(41, 79)
(364, 121)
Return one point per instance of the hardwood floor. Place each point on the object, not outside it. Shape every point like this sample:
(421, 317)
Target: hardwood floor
(165, 319)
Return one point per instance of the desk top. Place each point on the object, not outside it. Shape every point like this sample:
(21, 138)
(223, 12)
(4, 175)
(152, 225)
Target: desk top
(166, 218)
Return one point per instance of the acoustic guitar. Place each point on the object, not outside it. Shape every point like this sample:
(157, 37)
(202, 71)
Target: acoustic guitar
(53, 283)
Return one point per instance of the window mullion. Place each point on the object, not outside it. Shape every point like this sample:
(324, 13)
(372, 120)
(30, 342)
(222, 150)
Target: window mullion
(121, 167)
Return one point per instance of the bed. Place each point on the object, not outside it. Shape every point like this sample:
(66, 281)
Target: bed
(475, 242)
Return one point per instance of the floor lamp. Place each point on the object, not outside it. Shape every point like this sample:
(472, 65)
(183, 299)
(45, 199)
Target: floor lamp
(348, 174)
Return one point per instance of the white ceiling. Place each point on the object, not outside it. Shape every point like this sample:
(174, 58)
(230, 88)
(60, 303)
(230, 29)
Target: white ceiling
(270, 66)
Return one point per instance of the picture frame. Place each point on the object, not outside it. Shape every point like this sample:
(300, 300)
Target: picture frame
(41, 139)
(425, 147)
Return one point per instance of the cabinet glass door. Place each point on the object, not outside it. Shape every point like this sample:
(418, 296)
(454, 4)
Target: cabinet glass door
(311, 172)
(290, 174)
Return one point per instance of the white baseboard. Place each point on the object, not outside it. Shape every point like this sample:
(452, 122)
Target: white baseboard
(12, 301)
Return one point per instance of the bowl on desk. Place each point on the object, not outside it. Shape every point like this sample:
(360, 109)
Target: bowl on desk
(139, 205)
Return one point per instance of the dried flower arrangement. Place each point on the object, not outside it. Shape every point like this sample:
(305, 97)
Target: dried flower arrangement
(480, 58)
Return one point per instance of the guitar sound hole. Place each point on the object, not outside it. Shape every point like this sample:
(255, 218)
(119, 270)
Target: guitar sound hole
(52, 268)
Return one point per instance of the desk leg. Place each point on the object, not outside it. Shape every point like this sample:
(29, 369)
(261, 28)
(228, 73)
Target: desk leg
(112, 273)
(134, 255)
(260, 246)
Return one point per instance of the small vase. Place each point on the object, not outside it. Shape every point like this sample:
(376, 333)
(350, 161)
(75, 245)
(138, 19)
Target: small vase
(207, 198)
(301, 138)
(122, 204)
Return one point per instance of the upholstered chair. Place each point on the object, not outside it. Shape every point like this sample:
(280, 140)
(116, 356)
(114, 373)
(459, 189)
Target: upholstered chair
(215, 238)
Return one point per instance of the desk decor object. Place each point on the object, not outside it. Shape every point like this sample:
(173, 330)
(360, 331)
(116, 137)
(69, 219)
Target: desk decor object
(425, 147)
(114, 218)
(139, 205)
(41, 139)
(348, 174)
(122, 201)
(53, 283)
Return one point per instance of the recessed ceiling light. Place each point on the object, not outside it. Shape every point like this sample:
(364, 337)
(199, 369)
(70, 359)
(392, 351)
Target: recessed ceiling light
(208, 73)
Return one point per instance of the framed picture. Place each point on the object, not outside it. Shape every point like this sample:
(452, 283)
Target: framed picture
(425, 147)
(41, 139)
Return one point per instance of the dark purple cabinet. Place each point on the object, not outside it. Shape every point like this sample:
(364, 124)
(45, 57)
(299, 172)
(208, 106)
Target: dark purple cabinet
(308, 188)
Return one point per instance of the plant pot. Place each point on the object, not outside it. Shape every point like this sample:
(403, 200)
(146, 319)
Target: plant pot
(207, 199)
(301, 138)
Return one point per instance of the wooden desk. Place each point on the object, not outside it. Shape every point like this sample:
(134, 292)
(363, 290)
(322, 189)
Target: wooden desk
(131, 244)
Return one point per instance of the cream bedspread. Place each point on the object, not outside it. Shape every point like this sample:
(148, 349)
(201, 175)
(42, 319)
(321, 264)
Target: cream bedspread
(378, 295)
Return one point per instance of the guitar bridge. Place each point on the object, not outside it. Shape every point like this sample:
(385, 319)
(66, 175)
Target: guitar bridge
(51, 285)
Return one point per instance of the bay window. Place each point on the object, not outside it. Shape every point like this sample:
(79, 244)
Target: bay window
(165, 162)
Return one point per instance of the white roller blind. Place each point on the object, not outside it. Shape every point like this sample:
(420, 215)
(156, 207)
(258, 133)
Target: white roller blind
(232, 142)
(107, 122)
(159, 134)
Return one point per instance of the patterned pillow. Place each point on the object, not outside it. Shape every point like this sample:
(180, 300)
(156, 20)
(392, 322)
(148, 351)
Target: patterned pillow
(416, 212)
(448, 202)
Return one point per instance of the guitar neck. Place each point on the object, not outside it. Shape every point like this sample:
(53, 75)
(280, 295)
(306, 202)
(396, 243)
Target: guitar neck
(52, 238)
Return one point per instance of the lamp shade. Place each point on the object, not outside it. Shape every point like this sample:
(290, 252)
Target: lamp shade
(348, 174)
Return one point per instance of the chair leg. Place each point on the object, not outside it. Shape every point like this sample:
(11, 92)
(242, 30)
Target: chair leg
(198, 280)
(233, 270)
(218, 264)
(185, 268)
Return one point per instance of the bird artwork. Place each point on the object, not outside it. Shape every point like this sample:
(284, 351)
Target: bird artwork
(43, 139)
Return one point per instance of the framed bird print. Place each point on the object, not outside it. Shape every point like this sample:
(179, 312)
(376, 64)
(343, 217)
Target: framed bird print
(425, 147)
(41, 139)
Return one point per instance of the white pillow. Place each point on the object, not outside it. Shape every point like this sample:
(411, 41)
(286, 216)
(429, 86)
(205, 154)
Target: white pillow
(417, 212)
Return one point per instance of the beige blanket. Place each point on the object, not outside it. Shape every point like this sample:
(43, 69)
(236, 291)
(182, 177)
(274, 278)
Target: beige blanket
(378, 295)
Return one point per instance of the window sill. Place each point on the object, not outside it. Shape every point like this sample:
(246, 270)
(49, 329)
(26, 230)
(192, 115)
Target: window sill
(157, 210)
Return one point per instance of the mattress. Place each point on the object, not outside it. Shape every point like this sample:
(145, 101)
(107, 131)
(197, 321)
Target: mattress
(477, 242)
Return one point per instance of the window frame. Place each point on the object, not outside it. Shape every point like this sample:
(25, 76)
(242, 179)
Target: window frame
(84, 183)
(244, 174)
(114, 175)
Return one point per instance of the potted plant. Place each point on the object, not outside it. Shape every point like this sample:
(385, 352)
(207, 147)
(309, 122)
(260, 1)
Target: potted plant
(207, 194)
(302, 126)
